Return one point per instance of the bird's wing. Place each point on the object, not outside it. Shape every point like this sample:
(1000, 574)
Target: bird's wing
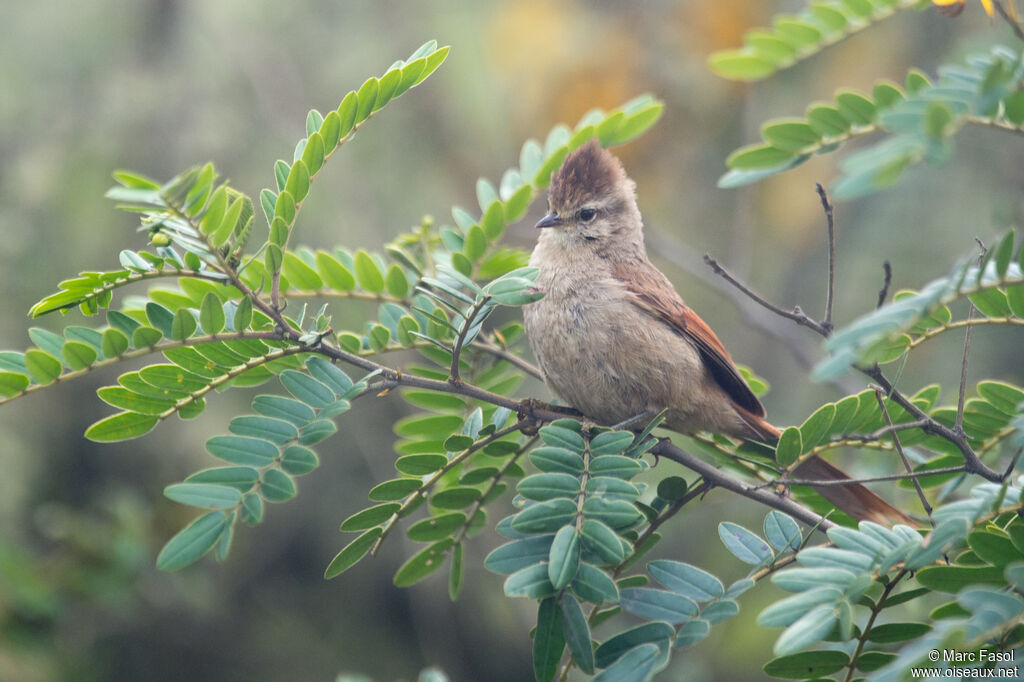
(652, 293)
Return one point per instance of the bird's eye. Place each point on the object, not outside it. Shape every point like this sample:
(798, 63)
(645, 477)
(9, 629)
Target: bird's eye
(587, 214)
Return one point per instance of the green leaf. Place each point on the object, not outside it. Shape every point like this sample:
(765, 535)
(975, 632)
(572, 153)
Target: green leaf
(268, 428)
(897, 632)
(420, 465)
(545, 517)
(955, 578)
(242, 450)
(438, 426)
(594, 585)
(395, 489)
(577, 633)
(869, 661)
(548, 486)
(114, 343)
(531, 582)
(204, 495)
(243, 314)
(367, 273)
(395, 281)
(367, 98)
(856, 107)
(657, 604)
(297, 460)
(561, 436)
(807, 664)
(689, 581)
(787, 611)
(994, 548)
(615, 513)
(183, 325)
(371, 516)
(458, 497)
(277, 486)
(318, 430)
(78, 355)
(692, 632)
(422, 564)
(610, 442)
(548, 640)
(757, 157)
(298, 182)
(117, 396)
(720, 610)
(435, 528)
(121, 426)
(827, 121)
(744, 545)
(554, 459)
(347, 112)
(41, 366)
(519, 554)
(192, 542)
(455, 574)
(12, 383)
(252, 509)
(352, 553)
(564, 557)
(658, 633)
(240, 478)
(782, 531)
(283, 408)
(602, 541)
(789, 447)
(790, 135)
(336, 275)
(300, 275)
(740, 65)
(618, 466)
(816, 427)
(313, 153)
(812, 627)
(307, 389)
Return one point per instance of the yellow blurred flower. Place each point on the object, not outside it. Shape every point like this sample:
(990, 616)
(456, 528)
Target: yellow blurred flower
(952, 8)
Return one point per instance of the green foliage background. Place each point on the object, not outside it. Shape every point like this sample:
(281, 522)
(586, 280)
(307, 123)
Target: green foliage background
(160, 85)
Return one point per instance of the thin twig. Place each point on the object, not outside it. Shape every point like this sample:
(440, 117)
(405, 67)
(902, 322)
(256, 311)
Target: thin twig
(958, 426)
(665, 448)
(690, 261)
(797, 315)
(870, 479)
(1012, 21)
(960, 401)
(883, 293)
(826, 323)
(879, 396)
(453, 374)
(497, 351)
(972, 463)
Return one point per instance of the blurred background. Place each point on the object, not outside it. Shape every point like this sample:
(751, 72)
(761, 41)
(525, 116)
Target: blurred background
(159, 85)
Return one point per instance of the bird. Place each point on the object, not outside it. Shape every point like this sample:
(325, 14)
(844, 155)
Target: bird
(614, 339)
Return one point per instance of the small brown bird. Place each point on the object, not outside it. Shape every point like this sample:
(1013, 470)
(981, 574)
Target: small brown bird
(615, 340)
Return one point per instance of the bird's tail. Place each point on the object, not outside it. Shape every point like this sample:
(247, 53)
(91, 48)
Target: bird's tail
(854, 498)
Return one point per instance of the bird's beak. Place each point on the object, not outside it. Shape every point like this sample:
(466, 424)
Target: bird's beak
(550, 220)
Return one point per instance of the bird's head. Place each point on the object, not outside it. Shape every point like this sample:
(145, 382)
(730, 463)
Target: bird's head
(591, 199)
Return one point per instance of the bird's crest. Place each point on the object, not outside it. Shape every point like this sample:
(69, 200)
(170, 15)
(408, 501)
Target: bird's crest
(588, 173)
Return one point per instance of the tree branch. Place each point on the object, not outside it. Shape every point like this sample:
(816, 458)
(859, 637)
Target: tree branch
(797, 315)
(665, 448)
